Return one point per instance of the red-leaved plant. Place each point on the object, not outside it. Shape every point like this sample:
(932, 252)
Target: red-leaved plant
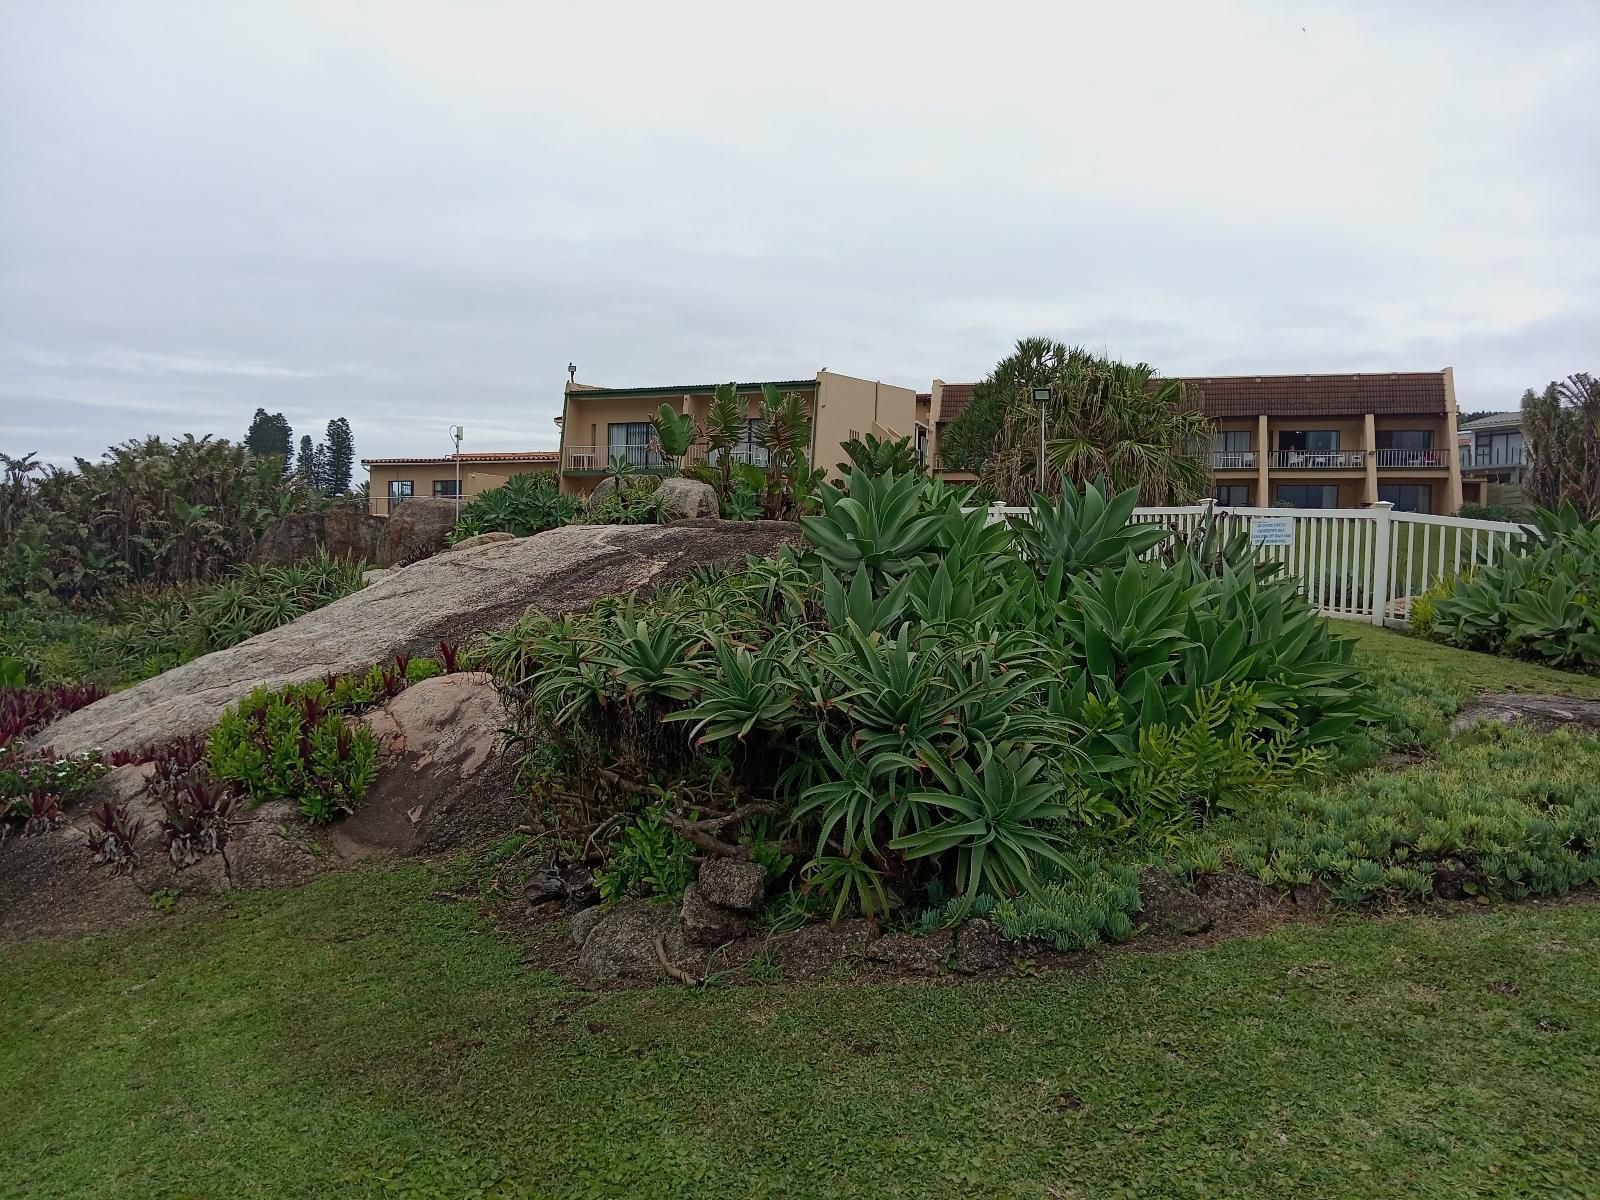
(114, 837)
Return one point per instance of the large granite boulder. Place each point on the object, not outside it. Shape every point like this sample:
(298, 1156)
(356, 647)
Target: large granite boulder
(450, 597)
(340, 532)
(687, 499)
(441, 775)
(483, 539)
(416, 530)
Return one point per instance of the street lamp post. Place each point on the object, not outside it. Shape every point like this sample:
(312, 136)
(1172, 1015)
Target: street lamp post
(1041, 397)
(455, 436)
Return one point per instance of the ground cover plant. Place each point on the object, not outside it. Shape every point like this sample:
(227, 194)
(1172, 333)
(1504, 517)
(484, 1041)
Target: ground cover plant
(1541, 603)
(922, 700)
(1403, 1057)
(522, 506)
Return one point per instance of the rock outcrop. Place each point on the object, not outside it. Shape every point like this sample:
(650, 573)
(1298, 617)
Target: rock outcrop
(416, 530)
(484, 539)
(340, 532)
(441, 774)
(687, 499)
(449, 597)
(1539, 713)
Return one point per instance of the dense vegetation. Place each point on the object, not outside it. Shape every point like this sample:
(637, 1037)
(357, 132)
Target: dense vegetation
(140, 632)
(1104, 419)
(936, 705)
(1543, 602)
(1562, 425)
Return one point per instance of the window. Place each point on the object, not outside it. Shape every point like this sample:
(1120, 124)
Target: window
(630, 440)
(444, 487)
(399, 488)
(1405, 439)
(922, 444)
(1231, 441)
(1308, 495)
(1233, 495)
(1500, 449)
(1311, 441)
(1407, 497)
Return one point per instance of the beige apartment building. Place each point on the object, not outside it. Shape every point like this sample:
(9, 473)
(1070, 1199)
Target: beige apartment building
(1313, 441)
(601, 423)
(395, 480)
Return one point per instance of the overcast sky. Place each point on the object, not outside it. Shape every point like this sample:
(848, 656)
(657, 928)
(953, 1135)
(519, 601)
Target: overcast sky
(414, 214)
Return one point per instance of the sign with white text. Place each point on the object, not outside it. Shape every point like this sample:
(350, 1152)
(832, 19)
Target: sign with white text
(1272, 531)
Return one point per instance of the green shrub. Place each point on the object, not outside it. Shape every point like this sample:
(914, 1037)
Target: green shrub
(1492, 512)
(1420, 616)
(631, 502)
(1499, 813)
(926, 698)
(524, 505)
(1543, 603)
(648, 860)
(294, 744)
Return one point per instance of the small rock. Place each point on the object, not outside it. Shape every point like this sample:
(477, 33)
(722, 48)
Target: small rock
(484, 539)
(545, 884)
(732, 883)
(924, 955)
(980, 946)
(622, 943)
(705, 923)
(584, 921)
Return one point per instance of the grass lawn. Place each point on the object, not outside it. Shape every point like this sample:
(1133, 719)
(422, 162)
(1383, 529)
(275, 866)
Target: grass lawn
(1465, 672)
(359, 1037)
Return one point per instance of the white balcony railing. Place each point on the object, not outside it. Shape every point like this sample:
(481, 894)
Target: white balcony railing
(1233, 460)
(1426, 459)
(1317, 460)
(650, 458)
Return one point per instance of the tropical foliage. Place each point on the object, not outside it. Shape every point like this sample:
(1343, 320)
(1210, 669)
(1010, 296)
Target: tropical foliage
(1543, 603)
(523, 505)
(1562, 425)
(1104, 419)
(143, 631)
(879, 456)
(920, 697)
(151, 511)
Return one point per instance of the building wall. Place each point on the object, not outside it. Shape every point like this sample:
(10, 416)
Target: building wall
(849, 406)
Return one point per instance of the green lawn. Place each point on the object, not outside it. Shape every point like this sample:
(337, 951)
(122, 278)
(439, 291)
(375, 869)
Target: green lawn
(359, 1037)
(1464, 672)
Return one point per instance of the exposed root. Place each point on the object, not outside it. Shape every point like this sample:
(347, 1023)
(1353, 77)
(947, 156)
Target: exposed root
(672, 968)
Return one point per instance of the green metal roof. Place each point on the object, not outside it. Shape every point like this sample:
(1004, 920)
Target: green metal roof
(678, 388)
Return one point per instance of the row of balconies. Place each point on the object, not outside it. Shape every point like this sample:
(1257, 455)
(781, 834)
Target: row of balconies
(1356, 460)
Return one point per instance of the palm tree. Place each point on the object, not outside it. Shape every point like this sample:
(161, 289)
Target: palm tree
(1104, 420)
(725, 429)
(785, 432)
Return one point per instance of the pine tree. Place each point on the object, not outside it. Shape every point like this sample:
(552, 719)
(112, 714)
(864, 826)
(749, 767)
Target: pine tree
(306, 464)
(341, 447)
(269, 433)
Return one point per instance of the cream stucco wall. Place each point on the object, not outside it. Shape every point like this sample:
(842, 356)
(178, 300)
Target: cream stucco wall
(475, 478)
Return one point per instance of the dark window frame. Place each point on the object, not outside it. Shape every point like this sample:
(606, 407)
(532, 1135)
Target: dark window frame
(445, 489)
(1326, 490)
(1395, 492)
(1224, 490)
(400, 489)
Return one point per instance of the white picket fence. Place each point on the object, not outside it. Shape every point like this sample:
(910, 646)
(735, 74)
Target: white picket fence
(1362, 564)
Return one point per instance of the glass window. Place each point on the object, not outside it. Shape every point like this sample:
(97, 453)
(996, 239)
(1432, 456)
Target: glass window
(1407, 497)
(1308, 495)
(1500, 449)
(1231, 441)
(1311, 441)
(1233, 495)
(630, 440)
(1405, 439)
(399, 487)
(444, 487)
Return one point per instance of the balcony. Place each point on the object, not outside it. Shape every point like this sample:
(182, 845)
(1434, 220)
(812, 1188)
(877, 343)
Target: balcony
(1233, 460)
(1317, 460)
(650, 458)
(1488, 458)
(1428, 460)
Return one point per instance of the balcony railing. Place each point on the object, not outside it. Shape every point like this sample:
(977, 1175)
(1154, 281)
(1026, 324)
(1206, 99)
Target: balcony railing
(1233, 460)
(1317, 460)
(1515, 456)
(650, 458)
(1412, 458)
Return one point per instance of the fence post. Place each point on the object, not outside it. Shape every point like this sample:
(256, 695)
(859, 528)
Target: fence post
(1382, 515)
(996, 513)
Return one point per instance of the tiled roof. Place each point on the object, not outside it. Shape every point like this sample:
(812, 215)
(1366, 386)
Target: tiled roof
(953, 401)
(1321, 395)
(1287, 395)
(676, 389)
(509, 456)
